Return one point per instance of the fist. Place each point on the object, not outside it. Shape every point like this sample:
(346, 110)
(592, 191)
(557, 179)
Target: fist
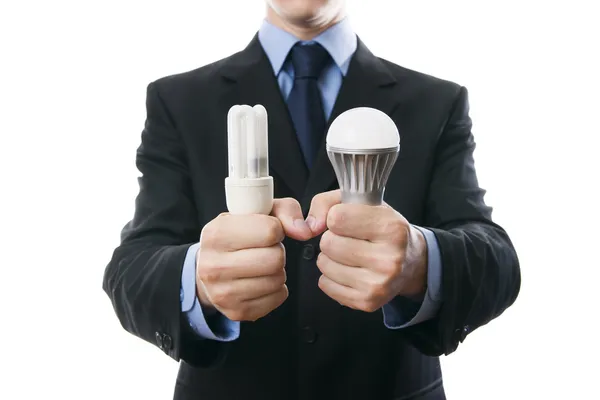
(240, 264)
(369, 255)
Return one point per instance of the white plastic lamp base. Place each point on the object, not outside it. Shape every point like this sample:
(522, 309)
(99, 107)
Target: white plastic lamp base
(249, 196)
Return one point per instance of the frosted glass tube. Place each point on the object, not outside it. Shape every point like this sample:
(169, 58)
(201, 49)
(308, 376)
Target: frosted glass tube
(248, 146)
(242, 128)
(233, 139)
(252, 149)
(262, 140)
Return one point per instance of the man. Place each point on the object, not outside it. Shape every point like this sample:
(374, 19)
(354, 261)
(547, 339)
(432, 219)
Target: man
(359, 301)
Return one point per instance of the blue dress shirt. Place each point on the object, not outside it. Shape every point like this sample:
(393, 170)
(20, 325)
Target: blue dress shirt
(340, 41)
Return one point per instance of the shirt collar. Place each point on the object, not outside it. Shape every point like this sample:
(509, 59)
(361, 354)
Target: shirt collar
(339, 41)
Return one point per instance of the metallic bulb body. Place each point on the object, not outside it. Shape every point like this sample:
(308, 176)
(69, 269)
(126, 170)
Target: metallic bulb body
(363, 145)
(362, 177)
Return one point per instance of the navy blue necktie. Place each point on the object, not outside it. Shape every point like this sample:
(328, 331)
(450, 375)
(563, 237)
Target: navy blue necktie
(304, 101)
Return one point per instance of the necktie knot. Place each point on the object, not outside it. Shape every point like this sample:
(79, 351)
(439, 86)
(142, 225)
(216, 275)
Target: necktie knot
(308, 60)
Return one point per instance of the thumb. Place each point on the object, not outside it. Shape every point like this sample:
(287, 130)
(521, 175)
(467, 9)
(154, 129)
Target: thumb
(289, 213)
(319, 208)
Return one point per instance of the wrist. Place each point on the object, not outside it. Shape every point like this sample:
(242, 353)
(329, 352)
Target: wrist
(415, 265)
(207, 307)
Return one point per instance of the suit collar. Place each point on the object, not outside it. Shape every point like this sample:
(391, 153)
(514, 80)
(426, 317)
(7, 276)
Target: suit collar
(339, 40)
(242, 64)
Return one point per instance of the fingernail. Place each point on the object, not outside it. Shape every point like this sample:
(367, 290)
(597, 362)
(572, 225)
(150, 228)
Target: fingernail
(312, 222)
(301, 224)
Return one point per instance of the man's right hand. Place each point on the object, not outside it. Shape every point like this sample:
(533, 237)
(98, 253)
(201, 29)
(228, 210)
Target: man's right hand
(240, 264)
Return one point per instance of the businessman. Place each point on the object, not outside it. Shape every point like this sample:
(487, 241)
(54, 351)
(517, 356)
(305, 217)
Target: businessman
(319, 300)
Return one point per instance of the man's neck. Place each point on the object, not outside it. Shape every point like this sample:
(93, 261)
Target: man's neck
(301, 31)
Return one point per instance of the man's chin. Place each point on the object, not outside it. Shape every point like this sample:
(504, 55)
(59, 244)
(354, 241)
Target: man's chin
(311, 20)
(304, 20)
(308, 17)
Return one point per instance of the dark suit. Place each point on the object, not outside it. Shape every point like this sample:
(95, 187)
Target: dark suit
(310, 347)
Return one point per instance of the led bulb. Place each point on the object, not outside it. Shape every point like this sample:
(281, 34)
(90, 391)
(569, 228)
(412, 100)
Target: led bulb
(248, 188)
(363, 145)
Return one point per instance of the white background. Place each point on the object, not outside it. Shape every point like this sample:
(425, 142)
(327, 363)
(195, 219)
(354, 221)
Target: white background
(72, 90)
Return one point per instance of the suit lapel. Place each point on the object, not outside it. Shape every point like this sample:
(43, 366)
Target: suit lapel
(367, 84)
(253, 82)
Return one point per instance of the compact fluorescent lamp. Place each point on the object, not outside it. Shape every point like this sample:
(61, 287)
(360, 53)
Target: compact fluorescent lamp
(248, 188)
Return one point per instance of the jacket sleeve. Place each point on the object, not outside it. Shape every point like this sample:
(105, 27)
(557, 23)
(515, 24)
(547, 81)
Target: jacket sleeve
(143, 278)
(480, 268)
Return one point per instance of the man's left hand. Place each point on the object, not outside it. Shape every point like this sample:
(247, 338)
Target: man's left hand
(369, 254)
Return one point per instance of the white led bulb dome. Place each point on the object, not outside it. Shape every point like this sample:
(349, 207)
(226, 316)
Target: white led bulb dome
(248, 188)
(363, 129)
(363, 145)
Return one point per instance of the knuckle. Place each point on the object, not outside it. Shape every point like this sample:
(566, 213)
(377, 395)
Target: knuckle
(253, 317)
(375, 260)
(212, 232)
(205, 275)
(286, 203)
(368, 305)
(377, 292)
(395, 261)
(396, 229)
(335, 217)
(282, 278)
(283, 207)
(235, 315)
(321, 261)
(284, 294)
(389, 264)
(275, 259)
(220, 296)
(208, 234)
(326, 241)
(279, 256)
(208, 272)
(316, 200)
(273, 232)
(277, 299)
(248, 313)
(279, 278)
(322, 284)
(372, 307)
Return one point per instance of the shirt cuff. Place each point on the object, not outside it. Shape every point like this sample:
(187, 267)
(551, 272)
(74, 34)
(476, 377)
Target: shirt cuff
(218, 327)
(402, 312)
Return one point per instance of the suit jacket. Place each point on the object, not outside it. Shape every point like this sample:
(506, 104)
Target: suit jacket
(310, 347)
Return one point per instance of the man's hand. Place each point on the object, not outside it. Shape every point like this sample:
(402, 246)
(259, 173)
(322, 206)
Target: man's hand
(240, 263)
(369, 255)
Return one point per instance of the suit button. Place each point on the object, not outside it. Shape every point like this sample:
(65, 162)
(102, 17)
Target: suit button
(461, 334)
(159, 340)
(465, 331)
(167, 343)
(308, 335)
(308, 253)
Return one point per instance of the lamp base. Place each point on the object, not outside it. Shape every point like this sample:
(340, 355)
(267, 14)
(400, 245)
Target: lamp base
(374, 198)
